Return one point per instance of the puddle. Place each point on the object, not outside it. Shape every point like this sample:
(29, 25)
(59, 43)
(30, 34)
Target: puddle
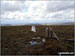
(33, 29)
(34, 42)
(43, 40)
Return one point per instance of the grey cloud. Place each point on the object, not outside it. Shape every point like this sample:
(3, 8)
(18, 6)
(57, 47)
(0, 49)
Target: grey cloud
(9, 7)
(54, 6)
(1, 13)
(67, 14)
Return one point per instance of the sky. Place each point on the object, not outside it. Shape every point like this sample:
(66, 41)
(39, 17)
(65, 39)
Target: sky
(34, 11)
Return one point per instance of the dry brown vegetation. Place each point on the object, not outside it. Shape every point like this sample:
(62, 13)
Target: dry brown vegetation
(15, 38)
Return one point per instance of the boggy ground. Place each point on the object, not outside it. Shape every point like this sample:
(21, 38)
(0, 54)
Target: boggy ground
(15, 38)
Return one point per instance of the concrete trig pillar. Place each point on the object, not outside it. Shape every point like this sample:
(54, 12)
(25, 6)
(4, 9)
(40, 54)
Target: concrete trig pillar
(33, 29)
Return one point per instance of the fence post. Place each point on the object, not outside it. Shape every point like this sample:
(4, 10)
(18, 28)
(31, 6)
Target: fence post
(47, 32)
(51, 33)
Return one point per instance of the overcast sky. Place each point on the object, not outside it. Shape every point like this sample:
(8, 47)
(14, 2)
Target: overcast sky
(19, 12)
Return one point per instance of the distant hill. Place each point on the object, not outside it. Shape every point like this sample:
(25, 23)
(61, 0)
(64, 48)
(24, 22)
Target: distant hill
(61, 23)
(5, 25)
(68, 23)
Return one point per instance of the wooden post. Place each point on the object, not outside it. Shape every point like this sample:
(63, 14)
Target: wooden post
(47, 32)
(55, 36)
(51, 34)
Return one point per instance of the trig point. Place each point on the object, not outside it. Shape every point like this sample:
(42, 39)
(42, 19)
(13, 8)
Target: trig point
(33, 29)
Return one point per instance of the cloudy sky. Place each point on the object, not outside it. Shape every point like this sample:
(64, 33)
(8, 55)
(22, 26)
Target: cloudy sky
(21, 12)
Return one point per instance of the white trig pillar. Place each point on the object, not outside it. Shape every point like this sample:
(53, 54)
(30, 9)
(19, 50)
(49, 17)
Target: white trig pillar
(33, 29)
